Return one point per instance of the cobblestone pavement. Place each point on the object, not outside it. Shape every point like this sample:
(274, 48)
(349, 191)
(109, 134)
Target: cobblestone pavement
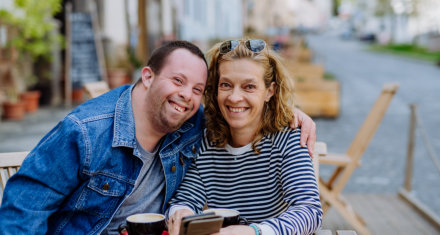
(362, 74)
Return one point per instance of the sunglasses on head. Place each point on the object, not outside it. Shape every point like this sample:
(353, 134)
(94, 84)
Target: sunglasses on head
(254, 45)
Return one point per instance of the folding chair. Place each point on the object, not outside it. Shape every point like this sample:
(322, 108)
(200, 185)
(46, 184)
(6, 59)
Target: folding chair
(9, 165)
(95, 89)
(330, 191)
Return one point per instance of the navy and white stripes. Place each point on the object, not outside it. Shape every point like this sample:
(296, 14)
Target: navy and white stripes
(276, 187)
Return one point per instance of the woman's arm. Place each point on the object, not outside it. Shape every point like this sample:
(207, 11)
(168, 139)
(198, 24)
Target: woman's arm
(188, 200)
(300, 192)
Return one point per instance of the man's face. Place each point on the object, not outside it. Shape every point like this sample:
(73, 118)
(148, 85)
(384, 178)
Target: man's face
(175, 94)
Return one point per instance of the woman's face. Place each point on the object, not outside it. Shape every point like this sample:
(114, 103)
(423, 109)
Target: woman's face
(242, 94)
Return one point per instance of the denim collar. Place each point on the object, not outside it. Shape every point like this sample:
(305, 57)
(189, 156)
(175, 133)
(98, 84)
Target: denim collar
(124, 129)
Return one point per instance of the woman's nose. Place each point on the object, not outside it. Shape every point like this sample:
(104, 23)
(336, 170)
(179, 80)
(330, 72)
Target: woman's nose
(235, 95)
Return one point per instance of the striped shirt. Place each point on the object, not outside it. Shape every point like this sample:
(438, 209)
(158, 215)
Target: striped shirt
(276, 188)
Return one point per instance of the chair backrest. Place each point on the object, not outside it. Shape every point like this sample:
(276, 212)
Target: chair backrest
(9, 165)
(372, 122)
(366, 132)
(95, 89)
(320, 150)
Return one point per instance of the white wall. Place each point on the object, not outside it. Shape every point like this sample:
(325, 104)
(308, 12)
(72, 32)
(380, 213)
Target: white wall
(201, 20)
(114, 27)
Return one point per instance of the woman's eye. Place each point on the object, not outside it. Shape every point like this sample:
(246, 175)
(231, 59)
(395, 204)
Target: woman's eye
(224, 84)
(178, 80)
(250, 86)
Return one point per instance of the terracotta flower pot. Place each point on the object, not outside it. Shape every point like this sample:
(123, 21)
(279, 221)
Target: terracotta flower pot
(78, 95)
(14, 111)
(118, 77)
(31, 100)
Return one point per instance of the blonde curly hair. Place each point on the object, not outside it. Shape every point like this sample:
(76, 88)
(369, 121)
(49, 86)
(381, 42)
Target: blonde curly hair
(278, 110)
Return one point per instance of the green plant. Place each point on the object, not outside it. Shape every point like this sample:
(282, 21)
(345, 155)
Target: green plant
(31, 21)
(32, 33)
(408, 50)
(329, 76)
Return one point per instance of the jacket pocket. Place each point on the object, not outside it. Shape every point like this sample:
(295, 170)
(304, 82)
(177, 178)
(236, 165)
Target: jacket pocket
(101, 196)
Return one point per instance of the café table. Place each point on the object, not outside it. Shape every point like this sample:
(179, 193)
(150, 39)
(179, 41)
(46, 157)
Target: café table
(338, 232)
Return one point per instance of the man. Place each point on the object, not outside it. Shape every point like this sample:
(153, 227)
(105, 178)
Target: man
(122, 153)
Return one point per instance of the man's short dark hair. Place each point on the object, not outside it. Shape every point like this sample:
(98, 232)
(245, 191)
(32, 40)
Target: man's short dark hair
(160, 55)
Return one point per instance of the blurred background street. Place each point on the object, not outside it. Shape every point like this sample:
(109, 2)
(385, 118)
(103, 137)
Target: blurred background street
(346, 50)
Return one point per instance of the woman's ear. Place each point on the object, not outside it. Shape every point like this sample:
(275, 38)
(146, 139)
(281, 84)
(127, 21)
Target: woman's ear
(147, 76)
(270, 91)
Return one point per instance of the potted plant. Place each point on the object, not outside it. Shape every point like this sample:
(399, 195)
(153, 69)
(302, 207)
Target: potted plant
(31, 33)
(120, 69)
(13, 107)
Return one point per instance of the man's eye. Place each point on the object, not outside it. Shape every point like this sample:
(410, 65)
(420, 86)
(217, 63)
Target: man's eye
(178, 80)
(198, 90)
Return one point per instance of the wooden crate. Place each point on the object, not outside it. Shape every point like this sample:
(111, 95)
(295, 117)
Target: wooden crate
(318, 98)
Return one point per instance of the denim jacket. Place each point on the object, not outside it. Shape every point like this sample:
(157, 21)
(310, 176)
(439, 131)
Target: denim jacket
(80, 173)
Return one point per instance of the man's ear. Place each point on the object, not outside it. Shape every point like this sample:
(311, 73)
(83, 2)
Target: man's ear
(147, 76)
(270, 91)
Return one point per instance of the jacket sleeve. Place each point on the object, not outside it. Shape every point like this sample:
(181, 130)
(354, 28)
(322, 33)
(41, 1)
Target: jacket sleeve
(47, 176)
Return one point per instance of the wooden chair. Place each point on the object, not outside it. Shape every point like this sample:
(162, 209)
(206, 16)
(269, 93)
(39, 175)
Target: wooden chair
(9, 165)
(330, 191)
(95, 89)
(319, 151)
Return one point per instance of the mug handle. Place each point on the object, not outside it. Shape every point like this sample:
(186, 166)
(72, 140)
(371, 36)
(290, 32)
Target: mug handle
(122, 229)
(243, 221)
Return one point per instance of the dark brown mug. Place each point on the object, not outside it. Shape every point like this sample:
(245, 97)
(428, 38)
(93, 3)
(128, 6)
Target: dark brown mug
(230, 216)
(143, 224)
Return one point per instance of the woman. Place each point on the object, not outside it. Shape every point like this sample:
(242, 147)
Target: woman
(250, 160)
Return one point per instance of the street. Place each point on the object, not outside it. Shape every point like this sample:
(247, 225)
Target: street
(362, 74)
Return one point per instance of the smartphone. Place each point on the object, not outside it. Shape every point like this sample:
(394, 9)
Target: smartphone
(200, 224)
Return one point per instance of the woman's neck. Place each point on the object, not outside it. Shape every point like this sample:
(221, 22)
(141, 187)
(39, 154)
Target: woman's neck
(242, 137)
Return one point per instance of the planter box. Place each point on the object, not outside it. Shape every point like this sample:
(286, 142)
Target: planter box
(318, 99)
(304, 72)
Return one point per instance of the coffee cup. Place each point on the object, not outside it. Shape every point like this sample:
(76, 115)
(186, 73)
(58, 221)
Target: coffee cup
(230, 216)
(143, 224)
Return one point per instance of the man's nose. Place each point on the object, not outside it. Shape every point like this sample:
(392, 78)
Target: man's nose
(186, 93)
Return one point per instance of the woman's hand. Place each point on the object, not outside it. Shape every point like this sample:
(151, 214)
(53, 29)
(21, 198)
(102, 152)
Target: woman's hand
(175, 219)
(236, 230)
(308, 129)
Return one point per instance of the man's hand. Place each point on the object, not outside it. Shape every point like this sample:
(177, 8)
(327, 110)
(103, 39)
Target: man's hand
(175, 219)
(236, 230)
(308, 129)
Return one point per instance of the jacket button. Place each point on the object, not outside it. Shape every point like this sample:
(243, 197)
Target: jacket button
(106, 187)
(173, 169)
(194, 149)
(181, 161)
